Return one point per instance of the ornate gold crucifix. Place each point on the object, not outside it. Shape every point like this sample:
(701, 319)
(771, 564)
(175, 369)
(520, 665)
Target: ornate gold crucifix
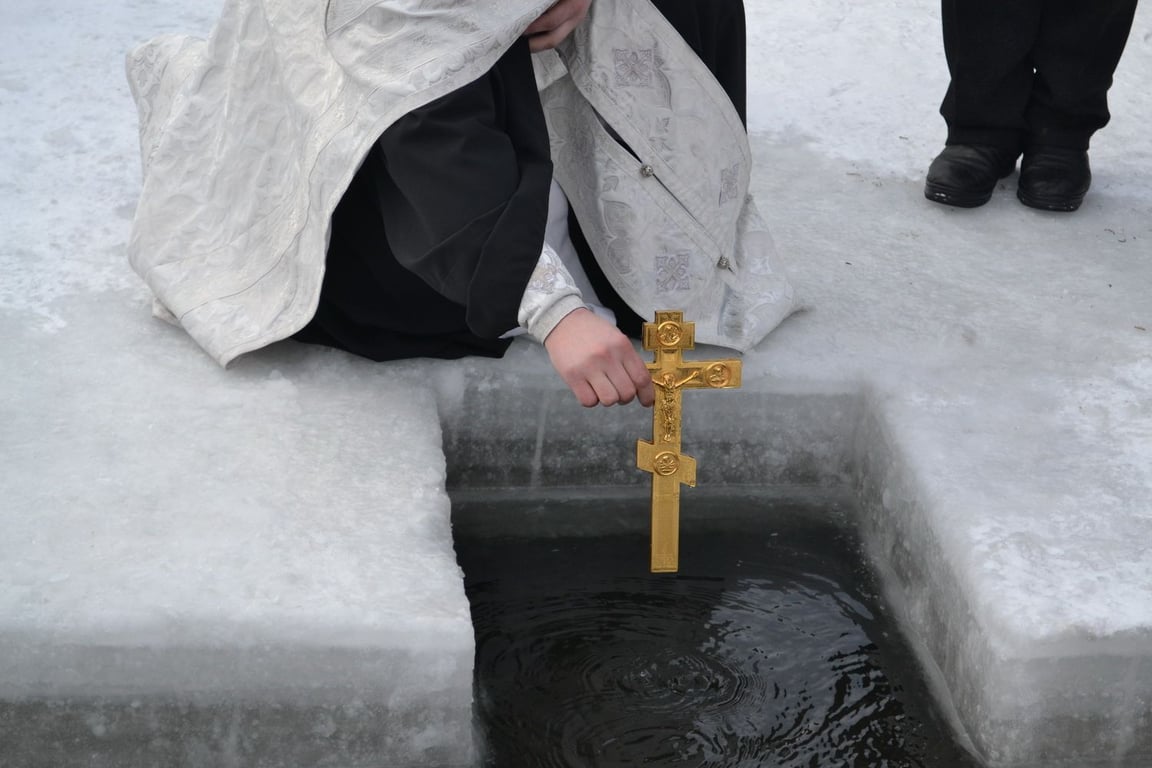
(668, 337)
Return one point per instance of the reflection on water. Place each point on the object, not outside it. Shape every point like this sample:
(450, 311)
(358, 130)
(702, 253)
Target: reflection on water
(768, 649)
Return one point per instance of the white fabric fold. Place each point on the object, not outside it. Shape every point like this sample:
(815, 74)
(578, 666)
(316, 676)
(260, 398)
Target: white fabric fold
(250, 138)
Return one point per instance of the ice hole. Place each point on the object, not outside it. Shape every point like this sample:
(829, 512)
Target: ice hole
(537, 482)
(771, 646)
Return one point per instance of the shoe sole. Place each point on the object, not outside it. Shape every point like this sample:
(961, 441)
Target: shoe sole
(950, 197)
(1061, 204)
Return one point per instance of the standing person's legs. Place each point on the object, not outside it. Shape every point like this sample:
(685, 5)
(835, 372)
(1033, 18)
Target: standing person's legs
(988, 45)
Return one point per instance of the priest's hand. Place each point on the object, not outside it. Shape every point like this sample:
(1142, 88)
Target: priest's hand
(556, 24)
(598, 362)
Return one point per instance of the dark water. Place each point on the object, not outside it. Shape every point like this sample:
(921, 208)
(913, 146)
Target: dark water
(769, 648)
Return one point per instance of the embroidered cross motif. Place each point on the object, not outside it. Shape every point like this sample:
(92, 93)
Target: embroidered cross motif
(672, 273)
(729, 184)
(634, 68)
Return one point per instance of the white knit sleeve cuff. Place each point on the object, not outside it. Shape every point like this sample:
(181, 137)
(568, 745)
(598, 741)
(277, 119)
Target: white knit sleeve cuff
(551, 294)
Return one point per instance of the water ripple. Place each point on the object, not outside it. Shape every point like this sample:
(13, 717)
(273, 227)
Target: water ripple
(580, 662)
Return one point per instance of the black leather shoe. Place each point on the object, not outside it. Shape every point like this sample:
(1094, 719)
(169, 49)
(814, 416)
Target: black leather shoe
(1054, 179)
(965, 175)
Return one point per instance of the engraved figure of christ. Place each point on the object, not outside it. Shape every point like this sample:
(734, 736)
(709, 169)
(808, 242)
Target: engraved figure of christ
(668, 337)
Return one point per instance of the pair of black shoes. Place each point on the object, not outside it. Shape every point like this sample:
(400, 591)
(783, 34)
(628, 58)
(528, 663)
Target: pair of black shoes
(1051, 178)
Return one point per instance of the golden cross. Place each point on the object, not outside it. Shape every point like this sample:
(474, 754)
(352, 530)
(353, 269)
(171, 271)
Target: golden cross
(668, 337)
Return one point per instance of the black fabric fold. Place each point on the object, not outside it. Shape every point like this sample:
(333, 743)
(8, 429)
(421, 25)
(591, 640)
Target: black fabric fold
(437, 236)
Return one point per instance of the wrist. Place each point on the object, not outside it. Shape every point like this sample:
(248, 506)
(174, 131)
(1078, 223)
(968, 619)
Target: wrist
(549, 320)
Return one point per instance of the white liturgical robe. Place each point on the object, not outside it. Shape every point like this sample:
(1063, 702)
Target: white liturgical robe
(249, 140)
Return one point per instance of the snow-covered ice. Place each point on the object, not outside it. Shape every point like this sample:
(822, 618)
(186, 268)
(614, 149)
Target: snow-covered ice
(279, 531)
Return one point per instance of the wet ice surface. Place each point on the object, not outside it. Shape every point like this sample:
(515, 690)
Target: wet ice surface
(1004, 352)
(769, 648)
(111, 733)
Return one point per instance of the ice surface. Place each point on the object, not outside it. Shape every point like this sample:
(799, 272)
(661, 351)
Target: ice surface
(269, 544)
(279, 531)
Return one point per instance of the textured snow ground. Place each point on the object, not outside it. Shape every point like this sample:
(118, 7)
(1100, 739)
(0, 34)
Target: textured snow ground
(1003, 357)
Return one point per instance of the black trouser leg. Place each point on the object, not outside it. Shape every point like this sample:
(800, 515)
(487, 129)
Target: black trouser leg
(1079, 46)
(988, 45)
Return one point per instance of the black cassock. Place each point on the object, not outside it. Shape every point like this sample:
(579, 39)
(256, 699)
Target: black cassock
(437, 236)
